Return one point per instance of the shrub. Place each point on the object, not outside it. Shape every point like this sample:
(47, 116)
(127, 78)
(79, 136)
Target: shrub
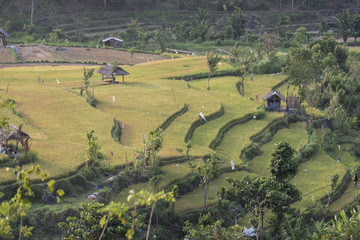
(252, 152)
(27, 157)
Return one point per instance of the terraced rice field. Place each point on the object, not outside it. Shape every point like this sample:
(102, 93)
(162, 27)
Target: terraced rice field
(58, 118)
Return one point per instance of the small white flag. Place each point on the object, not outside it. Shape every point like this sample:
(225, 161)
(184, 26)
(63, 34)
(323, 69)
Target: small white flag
(113, 99)
(57, 80)
(339, 147)
(203, 107)
(123, 125)
(232, 165)
(202, 116)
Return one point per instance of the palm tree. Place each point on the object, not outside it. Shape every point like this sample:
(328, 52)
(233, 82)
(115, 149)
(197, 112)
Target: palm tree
(344, 22)
(212, 61)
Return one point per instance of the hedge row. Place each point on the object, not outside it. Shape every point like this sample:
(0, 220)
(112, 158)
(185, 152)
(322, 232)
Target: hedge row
(198, 123)
(220, 136)
(276, 86)
(229, 72)
(304, 154)
(170, 119)
(265, 136)
(116, 131)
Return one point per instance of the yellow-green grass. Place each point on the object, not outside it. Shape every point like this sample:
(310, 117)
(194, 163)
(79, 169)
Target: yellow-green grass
(173, 172)
(239, 137)
(296, 135)
(58, 120)
(349, 196)
(235, 106)
(195, 199)
(351, 193)
(354, 48)
(319, 169)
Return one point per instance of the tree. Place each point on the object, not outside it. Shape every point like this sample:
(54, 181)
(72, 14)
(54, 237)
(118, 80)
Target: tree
(32, 12)
(269, 42)
(154, 145)
(323, 27)
(202, 24)
(87, 225)
(212, 62)
(207, 170)
(14, 210)
(355, 30)
(238, 21)
(56, 34)
(88, 73)
(93, 150)
(301, 35)
(282, 25)
(344, 23)
(283, 165)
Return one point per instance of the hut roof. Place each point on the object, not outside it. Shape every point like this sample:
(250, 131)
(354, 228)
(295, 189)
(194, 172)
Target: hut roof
(3, 32)
(272, 93)
(109, 70)
(112, 38)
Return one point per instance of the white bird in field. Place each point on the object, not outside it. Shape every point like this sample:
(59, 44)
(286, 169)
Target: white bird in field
(113, 99)
(57, 80)
(220, 64)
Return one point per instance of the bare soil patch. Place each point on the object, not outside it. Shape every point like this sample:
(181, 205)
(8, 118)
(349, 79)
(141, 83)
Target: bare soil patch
(100, 55)
(5, 55)
(34, 53)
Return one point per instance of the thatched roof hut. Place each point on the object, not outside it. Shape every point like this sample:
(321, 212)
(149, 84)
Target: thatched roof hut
(3, 35)
(111, 70)
(273, 100)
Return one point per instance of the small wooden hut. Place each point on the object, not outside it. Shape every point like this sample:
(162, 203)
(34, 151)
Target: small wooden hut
(110, 71)
(273, 100)
(14, 133)
(3, 36)
(112, 42)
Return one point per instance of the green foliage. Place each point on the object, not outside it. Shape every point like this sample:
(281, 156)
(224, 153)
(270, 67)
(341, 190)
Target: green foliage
(238, 21)
(89, 224)
(212, 231)
(207, 170)
(212, 62)
(154, 145)
(116, 131)
(170, 119)
(12, 212)
(282, 163)
(27, 157)
(344, 23)
(355, 27)
(93, 150)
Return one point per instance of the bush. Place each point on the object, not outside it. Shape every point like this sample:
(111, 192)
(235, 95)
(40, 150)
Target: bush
(251, 152)
(329, 142)
(27, 157)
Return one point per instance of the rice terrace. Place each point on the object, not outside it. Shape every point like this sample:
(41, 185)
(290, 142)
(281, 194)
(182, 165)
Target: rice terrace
(246, 128)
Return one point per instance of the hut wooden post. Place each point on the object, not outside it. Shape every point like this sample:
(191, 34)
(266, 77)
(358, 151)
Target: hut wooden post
(123, 78)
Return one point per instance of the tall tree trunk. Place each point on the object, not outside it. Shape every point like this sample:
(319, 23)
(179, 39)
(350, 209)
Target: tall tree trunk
(205, 195)
(32, 12)
(292, 4)
(105, 3)
(149, 224)
(208, 88)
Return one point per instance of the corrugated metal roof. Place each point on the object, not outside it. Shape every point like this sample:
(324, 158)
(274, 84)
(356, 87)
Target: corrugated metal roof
(272, 93)
(112, 38)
